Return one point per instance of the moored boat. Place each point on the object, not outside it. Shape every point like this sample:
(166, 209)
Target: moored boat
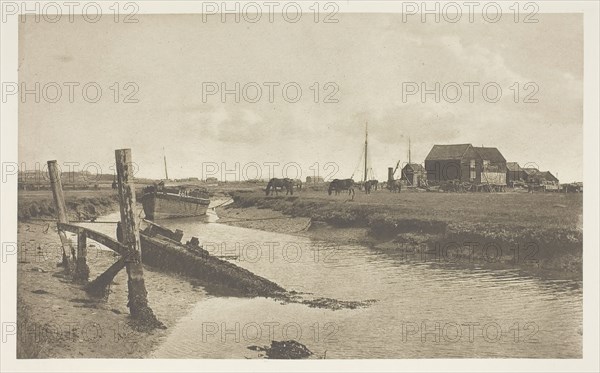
(162, 202)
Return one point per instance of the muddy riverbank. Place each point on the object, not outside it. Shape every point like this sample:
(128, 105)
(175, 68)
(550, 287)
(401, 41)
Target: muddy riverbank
(540, 234)
(57, 318)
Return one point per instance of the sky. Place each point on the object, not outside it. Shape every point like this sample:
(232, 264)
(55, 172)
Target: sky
(367, 59)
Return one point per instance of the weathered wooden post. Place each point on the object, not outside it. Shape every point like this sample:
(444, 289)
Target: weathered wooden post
(82, 271)
(61, 212)
(138, 296)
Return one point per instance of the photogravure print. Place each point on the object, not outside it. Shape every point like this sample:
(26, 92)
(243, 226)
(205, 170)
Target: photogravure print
(297, 180)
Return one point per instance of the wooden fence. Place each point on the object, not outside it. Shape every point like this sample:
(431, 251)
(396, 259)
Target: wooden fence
(75, 259)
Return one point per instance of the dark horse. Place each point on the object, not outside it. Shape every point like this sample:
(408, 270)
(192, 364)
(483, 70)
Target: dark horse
(394, 186)
(276, 184)
(371, 185)
(338, 185)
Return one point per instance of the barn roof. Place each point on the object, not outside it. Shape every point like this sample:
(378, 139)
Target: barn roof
(513, 166)
(442, 152)
(415, 167)
(530, 170)
(548, 176)
(490, 154)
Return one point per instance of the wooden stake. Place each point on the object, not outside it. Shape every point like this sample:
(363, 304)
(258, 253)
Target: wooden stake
(99, 287)
(138, 296)
(82, 271)
(61, 212)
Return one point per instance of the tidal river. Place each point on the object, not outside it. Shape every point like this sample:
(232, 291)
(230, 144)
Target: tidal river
(419, 311)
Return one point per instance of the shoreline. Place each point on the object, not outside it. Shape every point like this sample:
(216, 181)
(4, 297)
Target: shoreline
(57, 318)
(552, 253)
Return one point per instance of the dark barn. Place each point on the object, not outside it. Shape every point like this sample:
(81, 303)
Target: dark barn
(530, 174)
(536, 176)
(492, 169)
(466, 163)
(515, 173)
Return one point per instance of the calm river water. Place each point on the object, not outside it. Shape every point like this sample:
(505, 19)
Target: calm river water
(420, 311)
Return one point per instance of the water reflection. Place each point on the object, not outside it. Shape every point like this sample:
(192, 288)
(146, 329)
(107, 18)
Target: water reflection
(422, 310)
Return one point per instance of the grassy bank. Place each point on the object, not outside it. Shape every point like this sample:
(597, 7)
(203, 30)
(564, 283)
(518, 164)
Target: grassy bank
(535, 231)
(81, 204)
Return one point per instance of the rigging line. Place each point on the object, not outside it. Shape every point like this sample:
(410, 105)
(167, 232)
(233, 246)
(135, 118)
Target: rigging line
(358, 166)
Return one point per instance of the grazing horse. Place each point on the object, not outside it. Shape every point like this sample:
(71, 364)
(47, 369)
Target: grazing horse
(370, 185)
(274, 184)
(394, 186)
(297, 184)
(338, 185)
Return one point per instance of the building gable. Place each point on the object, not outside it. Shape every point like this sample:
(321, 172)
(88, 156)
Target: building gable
(446, 152)
(490, 154)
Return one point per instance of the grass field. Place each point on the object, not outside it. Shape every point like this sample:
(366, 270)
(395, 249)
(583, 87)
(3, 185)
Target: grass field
(81, 204)
(550, 222)
(543, 210)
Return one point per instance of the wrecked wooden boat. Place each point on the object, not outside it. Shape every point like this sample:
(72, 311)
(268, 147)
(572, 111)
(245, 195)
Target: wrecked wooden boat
(162, 249)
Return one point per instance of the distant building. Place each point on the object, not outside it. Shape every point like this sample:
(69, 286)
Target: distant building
(314, 179)
(529, 174)
(211, 180)
(514, 173)
(533, 175)
(464, 162)
(414, 174)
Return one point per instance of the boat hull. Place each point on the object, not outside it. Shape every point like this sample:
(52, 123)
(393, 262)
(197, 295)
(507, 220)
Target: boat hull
(165, 206)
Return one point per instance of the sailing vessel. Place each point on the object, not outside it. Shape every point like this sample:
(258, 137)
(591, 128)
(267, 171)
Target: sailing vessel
(367, 172)
(163, 202)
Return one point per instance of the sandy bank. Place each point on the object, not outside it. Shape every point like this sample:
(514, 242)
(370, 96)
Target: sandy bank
(57, 319)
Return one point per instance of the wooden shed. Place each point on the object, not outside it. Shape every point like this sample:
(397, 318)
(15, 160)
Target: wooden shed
(514, 173)
(314, 180)
(414, 174)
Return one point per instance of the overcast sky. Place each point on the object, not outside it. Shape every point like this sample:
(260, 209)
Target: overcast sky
(367, 56)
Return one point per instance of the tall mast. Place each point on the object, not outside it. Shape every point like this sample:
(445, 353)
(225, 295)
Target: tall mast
(409, 162)
(165, 159)
(366, 146)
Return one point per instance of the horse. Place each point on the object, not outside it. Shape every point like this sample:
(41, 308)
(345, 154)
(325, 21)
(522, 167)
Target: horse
(394, 186)
(370, 185)
(367, 185)
(297, 184)
(275, 183)
(338, 185)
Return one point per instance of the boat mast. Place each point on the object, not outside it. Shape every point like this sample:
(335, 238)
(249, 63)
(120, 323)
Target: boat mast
(165, 159)
(366, 146)
(409, 162)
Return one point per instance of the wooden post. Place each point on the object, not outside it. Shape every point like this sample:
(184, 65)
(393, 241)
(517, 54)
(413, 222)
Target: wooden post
(99, 287)
(137, 294)
(61, 212)
(82, 271)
